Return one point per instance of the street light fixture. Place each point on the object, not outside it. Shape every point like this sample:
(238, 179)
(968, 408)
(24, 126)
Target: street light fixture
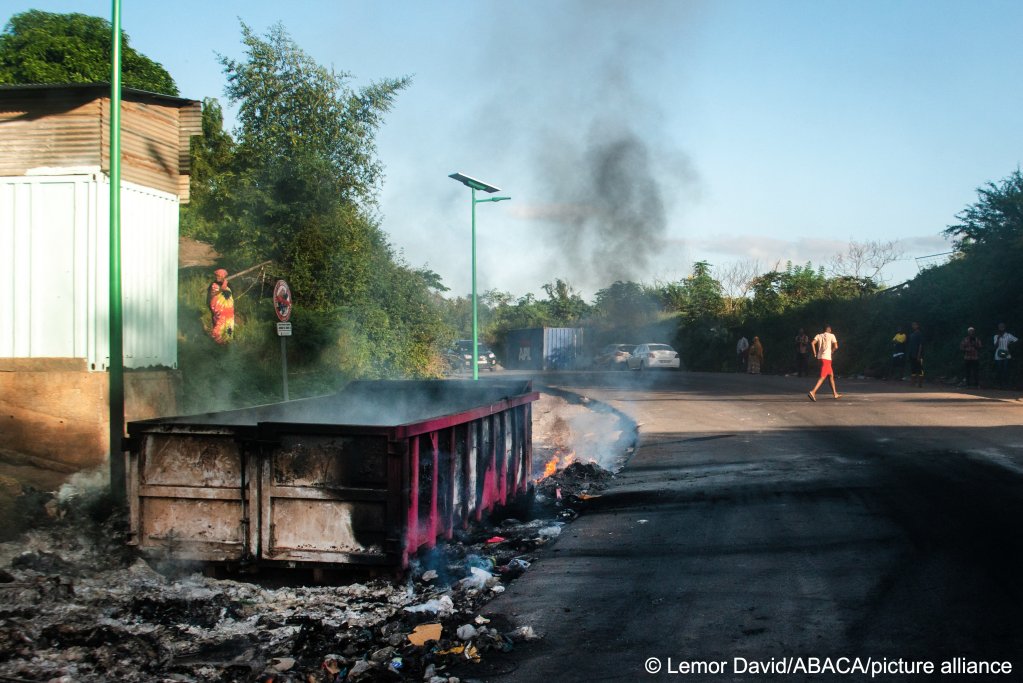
(474, 184)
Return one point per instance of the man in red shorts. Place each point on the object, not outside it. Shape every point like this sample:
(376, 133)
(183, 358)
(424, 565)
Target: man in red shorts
(823, 345)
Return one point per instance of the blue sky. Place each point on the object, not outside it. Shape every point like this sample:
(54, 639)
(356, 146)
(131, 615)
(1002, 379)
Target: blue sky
(637, 137)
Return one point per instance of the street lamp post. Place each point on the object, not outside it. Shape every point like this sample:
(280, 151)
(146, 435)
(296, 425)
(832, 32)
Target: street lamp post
(474, 184)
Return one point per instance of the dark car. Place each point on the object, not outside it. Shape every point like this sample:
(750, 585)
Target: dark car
(463, 352)
(614, 356)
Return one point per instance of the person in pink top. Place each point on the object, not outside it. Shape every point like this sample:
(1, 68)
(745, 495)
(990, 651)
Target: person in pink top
(823, 345)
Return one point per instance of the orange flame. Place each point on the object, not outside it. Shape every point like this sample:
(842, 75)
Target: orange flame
(558, 462)
(550, 468)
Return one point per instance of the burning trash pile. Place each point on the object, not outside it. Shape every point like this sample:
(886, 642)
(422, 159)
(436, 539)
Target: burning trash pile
(77, 606)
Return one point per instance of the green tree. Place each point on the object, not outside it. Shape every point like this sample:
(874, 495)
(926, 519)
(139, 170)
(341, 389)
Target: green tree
(212, 174)
(565, 306)
(43, 47)
(995, 220)
(290, 106)
(305, 171)
(625, 304)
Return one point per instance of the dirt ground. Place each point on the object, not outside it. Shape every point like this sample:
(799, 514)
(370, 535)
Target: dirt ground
(76, 604)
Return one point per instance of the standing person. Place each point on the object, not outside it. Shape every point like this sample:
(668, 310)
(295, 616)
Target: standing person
(221, 303)
(823, 345)
(1002, 355)
(756, 356)
(970, 346)
(899, 355)
(802, 352)
(915, 351)
(741, 351)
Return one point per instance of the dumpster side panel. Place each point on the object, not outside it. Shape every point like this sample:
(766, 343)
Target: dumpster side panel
(191, 495)
(325, 498)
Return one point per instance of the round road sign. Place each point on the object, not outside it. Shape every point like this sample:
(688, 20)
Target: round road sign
(282, 301)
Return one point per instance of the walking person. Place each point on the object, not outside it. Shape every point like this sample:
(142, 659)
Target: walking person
(1002, 355)
(970, 346)
(823, 346)
(802, 352)
(915, 351)
(756, 356)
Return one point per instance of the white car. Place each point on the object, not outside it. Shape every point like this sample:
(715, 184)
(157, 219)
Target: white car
(649, 356)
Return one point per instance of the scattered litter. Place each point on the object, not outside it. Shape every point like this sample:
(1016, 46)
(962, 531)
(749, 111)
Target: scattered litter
(282, 664)
(429, 575)
(496, 539)
(478, 578)
(549, 532)
(466, 632)
(442, 606)
(643, 521)
(524, 633)
(424, 633)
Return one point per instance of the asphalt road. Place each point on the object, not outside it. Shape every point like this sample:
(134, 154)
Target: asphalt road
(752, 525)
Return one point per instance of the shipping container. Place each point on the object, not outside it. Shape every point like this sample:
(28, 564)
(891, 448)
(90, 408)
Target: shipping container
(54, 265)
(367, 476)
(545, 348)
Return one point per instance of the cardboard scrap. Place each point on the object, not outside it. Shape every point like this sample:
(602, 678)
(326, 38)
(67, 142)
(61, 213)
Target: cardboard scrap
(423, 633)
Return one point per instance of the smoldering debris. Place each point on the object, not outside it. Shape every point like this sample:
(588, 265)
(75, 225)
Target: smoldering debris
(64, 619)
(75, 605)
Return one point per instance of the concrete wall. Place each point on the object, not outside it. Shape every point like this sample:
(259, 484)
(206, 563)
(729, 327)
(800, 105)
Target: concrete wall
(54, 410)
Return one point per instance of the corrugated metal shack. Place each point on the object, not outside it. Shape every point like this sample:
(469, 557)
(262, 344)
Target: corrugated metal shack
(367, 476)
(54, 260)
(545, 348)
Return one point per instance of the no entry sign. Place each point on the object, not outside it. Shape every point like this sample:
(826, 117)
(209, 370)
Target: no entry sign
(282, 301)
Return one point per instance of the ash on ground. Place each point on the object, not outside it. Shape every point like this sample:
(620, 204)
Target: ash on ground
(78, 606)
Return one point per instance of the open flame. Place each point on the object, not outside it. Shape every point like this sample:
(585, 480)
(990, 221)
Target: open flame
(558, 461)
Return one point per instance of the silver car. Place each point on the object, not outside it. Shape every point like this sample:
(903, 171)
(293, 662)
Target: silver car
(649, 356)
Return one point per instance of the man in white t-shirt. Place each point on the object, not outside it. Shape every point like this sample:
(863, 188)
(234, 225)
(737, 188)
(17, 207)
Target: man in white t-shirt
(742, 352)
(823, 345)
(1002, 355)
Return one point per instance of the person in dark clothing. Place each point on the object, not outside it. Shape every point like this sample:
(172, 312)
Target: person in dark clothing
(915, 352)
(802, 352)
(970, 346)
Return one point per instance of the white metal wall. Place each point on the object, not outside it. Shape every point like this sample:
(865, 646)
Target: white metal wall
(54, 260)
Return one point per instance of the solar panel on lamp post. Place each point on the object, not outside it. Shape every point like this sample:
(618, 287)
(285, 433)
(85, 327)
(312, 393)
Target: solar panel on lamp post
(474, 184)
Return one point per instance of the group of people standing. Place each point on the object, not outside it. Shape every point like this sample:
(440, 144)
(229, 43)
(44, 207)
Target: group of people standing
(750, 356)
(912, 348)
(906, 348)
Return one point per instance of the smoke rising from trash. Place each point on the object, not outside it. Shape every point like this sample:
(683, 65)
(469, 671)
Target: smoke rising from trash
(601, 173)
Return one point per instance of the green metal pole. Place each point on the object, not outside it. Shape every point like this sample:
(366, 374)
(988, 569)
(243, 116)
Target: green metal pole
(117, 469)
(475, 322)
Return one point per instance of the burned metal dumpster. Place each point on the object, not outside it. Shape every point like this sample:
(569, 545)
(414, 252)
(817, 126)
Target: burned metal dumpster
(367, 476)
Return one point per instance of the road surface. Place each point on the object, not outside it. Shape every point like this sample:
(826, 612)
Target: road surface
(884, 529)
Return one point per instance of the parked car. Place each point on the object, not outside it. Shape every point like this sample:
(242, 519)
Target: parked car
(614, 356)
(463, 351)
(648, 356)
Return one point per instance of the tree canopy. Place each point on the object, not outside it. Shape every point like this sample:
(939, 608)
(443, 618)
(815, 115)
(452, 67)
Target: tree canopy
(994, 220)
(44, 47)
